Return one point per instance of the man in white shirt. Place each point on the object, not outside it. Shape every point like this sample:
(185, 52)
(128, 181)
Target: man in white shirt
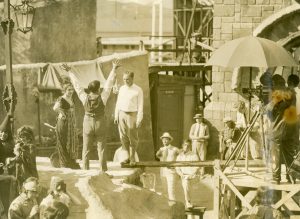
(94, 119)
(199, 134)
(129, 114)
(187, 173)
(168, 153)
(255, 143)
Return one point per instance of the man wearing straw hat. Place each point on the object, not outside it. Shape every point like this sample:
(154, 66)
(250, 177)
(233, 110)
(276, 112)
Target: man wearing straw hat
(168, 153)
(199, 134)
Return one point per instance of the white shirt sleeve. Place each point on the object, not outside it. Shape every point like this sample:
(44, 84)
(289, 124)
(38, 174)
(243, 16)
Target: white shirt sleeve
(140, 105)
(79, 90)
(108, 86)
(117, 104)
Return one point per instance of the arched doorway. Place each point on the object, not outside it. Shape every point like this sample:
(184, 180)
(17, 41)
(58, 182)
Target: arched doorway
(283, 27)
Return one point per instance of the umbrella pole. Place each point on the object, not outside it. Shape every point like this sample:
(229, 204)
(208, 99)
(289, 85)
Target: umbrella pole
(249, 116)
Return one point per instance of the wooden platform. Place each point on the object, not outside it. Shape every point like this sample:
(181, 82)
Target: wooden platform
(256, 180)
(242, 184)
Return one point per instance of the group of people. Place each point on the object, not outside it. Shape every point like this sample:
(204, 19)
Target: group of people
(18, 156)
(193, 149)
(276, 140)
(282, 128)
(34, 201)
(233, 130)
(128, 116)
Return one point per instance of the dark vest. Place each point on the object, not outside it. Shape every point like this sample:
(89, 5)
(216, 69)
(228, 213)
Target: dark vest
(94, 106)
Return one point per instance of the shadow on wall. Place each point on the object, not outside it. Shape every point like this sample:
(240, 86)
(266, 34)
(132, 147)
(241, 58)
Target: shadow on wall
(213, 145)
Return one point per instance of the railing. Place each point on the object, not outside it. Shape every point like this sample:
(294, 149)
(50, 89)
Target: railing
(201, 48)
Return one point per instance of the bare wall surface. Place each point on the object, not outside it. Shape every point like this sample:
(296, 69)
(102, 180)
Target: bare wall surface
(62, 31)
(120, 18)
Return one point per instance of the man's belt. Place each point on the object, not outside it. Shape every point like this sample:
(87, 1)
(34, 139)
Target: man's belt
(199, 140)
(93, 114)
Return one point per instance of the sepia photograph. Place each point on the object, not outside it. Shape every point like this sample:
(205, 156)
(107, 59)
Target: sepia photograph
(150, 109)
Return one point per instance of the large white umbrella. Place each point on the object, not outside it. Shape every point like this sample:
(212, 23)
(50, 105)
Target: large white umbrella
(251, 51)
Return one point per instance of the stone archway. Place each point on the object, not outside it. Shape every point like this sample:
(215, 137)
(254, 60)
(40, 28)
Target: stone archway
(282, 27)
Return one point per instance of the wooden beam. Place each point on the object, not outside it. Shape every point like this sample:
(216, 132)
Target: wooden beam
(208, 163)
(232, 205)
(177, 50)
(287, 196)
(179, 25)
(217, 189)
(170, 164)
(189, 68)
(234, 189)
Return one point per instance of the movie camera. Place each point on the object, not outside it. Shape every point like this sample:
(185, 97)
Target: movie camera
(262, 92)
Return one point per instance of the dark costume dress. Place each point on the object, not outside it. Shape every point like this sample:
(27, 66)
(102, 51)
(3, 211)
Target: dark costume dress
(25, 163)
(67, 139)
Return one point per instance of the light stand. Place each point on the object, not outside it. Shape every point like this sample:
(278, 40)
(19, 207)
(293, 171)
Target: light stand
(7, 25)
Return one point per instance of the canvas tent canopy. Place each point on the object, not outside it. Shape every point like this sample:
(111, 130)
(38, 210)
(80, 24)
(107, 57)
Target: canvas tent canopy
(47, 76)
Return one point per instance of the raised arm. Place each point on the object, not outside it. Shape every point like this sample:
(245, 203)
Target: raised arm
(79, 90)
(110, 81)
(75, 82)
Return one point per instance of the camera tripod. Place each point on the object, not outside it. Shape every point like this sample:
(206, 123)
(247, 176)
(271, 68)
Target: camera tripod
(242, 142)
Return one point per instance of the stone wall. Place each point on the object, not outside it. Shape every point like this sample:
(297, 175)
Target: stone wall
(233, 19)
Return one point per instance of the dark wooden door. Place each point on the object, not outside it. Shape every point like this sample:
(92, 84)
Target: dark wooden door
(170, 113)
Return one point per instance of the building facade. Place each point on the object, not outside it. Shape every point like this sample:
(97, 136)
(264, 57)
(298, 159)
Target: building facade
(276, 20)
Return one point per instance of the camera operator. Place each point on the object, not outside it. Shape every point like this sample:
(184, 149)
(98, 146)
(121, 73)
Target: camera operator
(255, 143)
(281, 113)
(293, 83)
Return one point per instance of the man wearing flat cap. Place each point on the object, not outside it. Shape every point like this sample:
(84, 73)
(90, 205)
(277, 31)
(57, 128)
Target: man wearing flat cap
(199, 134)
(229, 136)
(25, 205)
(168, 152)
(94, 103)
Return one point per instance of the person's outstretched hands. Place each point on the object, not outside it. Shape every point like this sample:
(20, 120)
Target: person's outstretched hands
(66, 67)
(116, 63)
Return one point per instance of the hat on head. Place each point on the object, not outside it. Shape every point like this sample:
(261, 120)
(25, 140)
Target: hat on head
(227, 119)
(198, 116)
(30, 186)
(166, 135)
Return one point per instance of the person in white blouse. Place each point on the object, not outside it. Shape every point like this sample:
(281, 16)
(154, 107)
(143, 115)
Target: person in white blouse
(129, 114)
(199, 134)
(94, 119)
